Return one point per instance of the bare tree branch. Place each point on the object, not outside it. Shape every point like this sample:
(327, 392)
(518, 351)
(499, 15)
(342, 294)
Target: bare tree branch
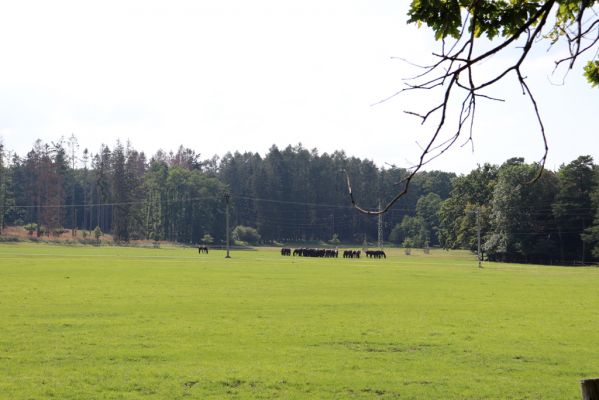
(455, 70)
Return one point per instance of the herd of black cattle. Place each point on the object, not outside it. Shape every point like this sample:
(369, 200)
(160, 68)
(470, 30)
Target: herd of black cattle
(330, 253)
(325, 253)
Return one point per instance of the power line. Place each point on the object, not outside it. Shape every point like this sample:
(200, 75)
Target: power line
(192, 199)
(125, 203)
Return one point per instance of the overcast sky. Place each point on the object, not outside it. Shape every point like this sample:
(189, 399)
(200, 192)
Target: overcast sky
(220, 76)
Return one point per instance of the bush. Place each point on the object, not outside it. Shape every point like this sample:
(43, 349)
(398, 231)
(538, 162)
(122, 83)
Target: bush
(98, 233)
(90, 242)
(335, 239)
(246, 234)
(6, 239)
(407, 245)
(56, 232)
(207, 239)
(30, 228)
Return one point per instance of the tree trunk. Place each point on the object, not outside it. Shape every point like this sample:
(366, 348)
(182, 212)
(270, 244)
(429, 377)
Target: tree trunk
(590, 389)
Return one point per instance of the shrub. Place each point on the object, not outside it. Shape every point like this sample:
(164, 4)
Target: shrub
(90, 242)
(56, 232)
(407, 245)
(246, 234)
(207, 239)
(98, 233)
(335, 239)
(7, 239)
(30, 228)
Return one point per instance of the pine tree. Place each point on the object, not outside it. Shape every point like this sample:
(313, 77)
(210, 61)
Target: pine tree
(120, 196)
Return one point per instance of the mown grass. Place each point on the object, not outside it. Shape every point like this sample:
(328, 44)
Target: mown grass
(131, 323)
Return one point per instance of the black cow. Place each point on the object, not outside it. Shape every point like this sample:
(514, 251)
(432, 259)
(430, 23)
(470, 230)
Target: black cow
(309, 252)
(352, 253)
(375, 254)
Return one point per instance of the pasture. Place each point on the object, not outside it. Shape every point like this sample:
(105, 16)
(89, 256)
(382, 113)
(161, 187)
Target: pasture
(132, 323)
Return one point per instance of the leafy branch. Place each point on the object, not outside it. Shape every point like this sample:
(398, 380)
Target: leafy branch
(520, 26)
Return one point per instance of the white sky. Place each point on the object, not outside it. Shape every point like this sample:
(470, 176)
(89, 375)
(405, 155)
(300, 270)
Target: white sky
(226, 75)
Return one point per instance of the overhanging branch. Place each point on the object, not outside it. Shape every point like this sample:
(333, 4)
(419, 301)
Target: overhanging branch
(455, 70)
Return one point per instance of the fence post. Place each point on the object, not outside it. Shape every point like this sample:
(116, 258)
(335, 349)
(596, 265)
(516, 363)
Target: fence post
(590, 389)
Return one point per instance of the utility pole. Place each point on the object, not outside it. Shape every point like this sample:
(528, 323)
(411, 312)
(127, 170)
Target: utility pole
(73, 144)
(380, 229)
(2, 188)
(478, 237)
(227, 198)
(583, 244)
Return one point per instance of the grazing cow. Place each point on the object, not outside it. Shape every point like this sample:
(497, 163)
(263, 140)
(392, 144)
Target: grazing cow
(285, 251)
(352, 253)
(375, 254)
(202, 249)
(310, 252)
(331, 253)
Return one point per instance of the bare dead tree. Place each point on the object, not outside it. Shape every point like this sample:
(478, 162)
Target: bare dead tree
(457, 63)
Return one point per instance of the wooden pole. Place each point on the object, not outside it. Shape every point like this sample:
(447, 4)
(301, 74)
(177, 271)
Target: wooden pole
(590, 389)
(227, 198)
(478, 253)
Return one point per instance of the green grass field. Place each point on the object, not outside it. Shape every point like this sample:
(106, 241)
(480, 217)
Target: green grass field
(132, 323)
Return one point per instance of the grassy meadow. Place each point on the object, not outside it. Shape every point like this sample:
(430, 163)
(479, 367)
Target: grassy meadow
(133, 323)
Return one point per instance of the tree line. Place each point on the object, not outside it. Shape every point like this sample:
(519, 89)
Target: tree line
(299, 195)
(554, 219)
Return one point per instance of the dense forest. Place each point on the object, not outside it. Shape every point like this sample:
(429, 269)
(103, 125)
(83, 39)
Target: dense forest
(298, 195)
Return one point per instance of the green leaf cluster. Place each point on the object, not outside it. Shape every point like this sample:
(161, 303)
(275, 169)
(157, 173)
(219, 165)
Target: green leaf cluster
(506, 19)
(490, 18)
(443, 16)
(591, 72)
